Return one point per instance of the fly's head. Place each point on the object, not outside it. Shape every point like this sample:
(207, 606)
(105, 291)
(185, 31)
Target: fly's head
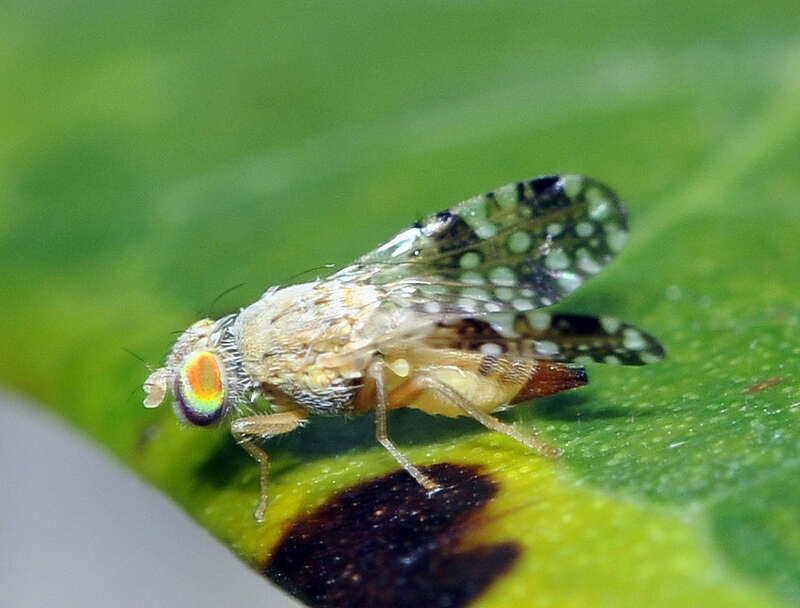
(204, 372)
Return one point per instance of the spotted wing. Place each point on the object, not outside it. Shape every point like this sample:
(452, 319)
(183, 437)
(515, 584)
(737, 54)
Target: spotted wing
(552, 337)
(517, 248)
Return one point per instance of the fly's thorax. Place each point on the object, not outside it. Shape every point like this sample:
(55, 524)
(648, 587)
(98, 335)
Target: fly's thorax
(309, 341)
(291, 330)
(204, 373)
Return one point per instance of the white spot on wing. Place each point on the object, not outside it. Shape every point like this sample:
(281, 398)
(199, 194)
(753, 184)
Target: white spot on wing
(572, 185)
(467, 304)
(569, 281)
(504, 293)
(555, 229)
(506, 196)
(519, 242)
(473, 210)
(557, 260)
(491, 349)
(432, 291)
(616, 238)
(633, 339)
(469, 260)
(599, 205)
(504, 276)
(472, 278)
(522, 305)
(486, 230)
(587, 263)
(432, 307)
(610, 324)
(546, 347)
(584, 229)
(539, 319)
(504, 324)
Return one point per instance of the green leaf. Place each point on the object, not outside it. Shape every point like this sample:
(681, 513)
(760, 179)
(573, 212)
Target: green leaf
(154, 156)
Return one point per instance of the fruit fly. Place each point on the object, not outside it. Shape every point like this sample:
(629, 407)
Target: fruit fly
(446, 317)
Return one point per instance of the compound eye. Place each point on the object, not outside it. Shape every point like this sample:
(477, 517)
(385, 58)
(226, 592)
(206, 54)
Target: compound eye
(199, 390)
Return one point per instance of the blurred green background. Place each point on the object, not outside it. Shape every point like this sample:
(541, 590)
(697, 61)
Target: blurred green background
(155, 154)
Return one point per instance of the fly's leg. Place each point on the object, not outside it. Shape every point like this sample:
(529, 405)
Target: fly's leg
(263, 426)
(426, 381)
(382, 431)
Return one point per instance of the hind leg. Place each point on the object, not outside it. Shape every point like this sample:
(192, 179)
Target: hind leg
(424, 381)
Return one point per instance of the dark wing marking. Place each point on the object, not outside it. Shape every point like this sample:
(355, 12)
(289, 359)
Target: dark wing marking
(552, 337)
(517, 248)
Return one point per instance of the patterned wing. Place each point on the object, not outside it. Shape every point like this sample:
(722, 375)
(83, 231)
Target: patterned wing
(517, 248)
(552, 337)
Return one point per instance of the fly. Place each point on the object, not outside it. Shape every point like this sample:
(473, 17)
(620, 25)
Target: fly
(446, 317)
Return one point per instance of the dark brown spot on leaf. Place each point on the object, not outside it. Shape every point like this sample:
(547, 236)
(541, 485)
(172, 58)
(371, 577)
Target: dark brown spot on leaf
(386, 543)
(764, 384)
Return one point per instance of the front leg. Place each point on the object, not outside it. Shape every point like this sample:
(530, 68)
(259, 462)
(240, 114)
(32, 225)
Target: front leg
(264, 426)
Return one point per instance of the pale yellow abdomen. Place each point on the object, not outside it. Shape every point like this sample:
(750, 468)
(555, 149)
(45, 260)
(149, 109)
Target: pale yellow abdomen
(485, 381)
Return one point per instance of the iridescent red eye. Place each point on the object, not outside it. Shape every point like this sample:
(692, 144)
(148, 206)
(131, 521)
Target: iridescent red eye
(199, 389)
